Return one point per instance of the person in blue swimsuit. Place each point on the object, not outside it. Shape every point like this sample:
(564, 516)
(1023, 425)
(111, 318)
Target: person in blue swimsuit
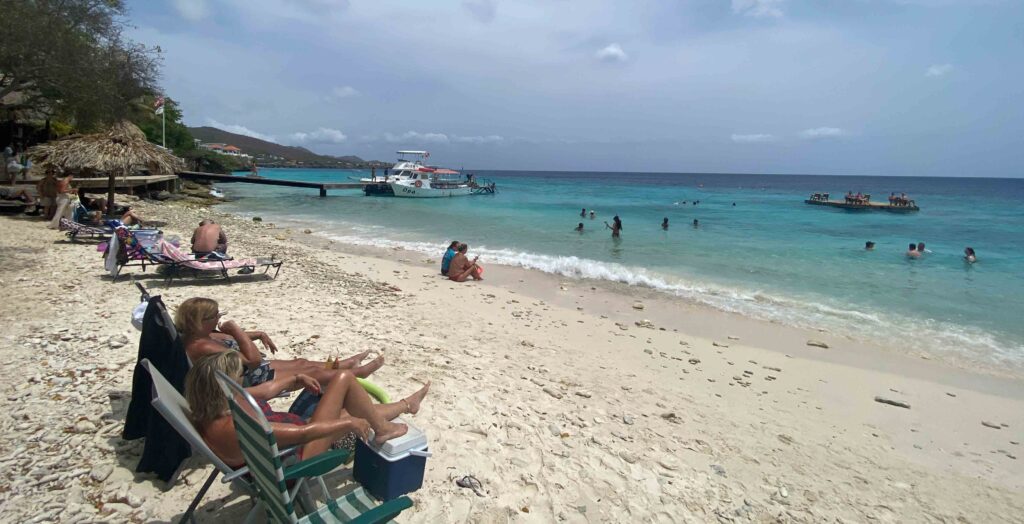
(446, 261)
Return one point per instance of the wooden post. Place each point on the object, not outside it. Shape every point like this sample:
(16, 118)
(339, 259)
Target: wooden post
(323, 191)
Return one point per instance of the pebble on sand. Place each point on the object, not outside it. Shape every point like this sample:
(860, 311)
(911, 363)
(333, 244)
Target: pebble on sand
(897, 403)
(638, 305)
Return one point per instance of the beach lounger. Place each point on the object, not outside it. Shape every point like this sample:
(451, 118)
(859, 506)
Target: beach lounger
(259, 446)
(137, 251)
(75, 229)
(181, 260)
(174, 408)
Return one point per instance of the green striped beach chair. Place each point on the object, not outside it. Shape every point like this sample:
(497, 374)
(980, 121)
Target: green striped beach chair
(259, 446)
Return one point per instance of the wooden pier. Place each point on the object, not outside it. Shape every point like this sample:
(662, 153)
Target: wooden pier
(877, 206)
(321, 186)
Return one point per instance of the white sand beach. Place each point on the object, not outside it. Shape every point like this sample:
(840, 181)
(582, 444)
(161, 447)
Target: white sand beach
(565, 399)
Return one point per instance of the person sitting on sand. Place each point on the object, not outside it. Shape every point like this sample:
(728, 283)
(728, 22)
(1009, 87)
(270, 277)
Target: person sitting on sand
(579, 227)
(912, 251)
(664, 223)
(449, 254)
(198, 321)
(969, 255)
(344, 408)
(462, 268)
(209, 241)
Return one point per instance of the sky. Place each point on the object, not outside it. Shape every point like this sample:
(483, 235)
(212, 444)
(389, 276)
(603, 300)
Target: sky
(846, 87)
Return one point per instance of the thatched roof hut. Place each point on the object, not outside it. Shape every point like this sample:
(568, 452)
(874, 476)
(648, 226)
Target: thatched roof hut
(119, 151)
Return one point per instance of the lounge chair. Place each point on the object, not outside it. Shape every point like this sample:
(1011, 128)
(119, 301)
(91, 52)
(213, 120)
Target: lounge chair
(75, 229)
(259, 446)
(174, 408)
(135, 252)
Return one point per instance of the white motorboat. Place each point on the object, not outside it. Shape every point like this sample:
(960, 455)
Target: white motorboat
(403, 169)
(414, 179)
(431, 183)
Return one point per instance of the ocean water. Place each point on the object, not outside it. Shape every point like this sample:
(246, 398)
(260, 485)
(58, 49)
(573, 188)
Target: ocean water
(770, 256)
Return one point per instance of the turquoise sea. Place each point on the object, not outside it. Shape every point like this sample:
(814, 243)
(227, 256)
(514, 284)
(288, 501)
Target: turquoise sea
(770, 256)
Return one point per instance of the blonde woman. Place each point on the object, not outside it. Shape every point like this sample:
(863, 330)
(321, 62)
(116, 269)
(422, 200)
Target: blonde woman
(199, 322)
(344, 408)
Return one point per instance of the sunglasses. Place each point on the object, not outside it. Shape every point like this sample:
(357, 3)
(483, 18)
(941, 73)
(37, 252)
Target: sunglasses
(218, 316)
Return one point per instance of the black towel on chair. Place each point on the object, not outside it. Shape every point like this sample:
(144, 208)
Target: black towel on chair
(164, 448)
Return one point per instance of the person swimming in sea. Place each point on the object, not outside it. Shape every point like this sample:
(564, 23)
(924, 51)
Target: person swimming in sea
(921, 249)
(592, 215)
(969, 255)
(615, 226)
(869, 246)
(579, 227)
(912, 251)
(583, 213)
(695, 223)
(664, 223)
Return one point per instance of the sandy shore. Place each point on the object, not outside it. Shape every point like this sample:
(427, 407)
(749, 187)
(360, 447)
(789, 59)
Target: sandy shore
(565, 400)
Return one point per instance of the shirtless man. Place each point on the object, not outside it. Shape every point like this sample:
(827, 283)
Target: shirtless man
(209, 238)
(461, 267)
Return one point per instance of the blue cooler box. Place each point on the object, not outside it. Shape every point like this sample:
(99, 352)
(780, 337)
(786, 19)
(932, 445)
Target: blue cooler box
(395, 468)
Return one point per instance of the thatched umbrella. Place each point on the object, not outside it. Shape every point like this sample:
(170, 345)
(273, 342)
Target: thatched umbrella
(119, 151)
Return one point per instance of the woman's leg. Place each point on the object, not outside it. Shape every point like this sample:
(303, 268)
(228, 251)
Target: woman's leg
(343, 392)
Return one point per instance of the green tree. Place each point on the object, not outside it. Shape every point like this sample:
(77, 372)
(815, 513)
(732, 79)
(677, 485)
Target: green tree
(69, 59)
(178, 137)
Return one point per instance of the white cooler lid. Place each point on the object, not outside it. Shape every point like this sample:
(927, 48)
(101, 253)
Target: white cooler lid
(414, 439)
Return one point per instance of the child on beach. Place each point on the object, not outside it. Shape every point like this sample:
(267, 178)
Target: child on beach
(449, 254)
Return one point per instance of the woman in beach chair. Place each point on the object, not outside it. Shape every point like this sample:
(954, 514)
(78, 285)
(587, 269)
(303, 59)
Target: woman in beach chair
(344, 408)
(199, 322)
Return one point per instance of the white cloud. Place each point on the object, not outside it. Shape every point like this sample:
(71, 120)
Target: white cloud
(414, 136)
(489, 139)
(323, 135)
(344, 92)
(758, 8)
(752, 138)
(822, 132)
(939, 70)
(483, 11)
(612, 53)
(192, 10)
(238, 130)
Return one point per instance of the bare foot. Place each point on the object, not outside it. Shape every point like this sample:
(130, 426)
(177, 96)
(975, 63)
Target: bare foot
(349, 362)
(388, 431)
(413, 401)
(374, 365)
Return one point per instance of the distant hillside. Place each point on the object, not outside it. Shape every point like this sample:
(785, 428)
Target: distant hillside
(271, 154)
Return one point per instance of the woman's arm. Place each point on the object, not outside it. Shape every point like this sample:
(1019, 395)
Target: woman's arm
(250, 354)
(263, 337)
(275, 387)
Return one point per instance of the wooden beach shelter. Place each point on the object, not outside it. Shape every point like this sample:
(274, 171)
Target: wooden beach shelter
(118, 151)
